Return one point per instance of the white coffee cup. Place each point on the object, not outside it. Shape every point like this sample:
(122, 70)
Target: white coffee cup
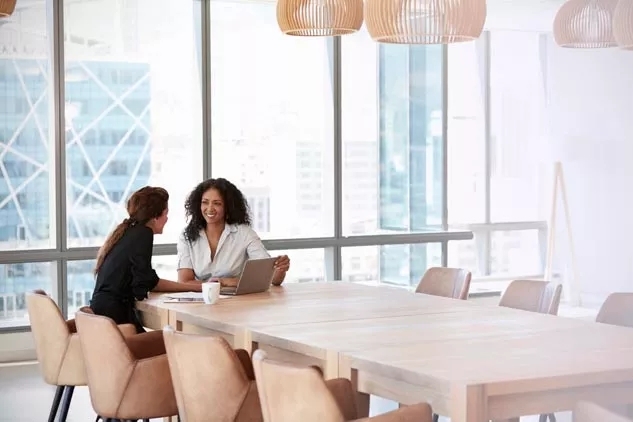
(210, 292)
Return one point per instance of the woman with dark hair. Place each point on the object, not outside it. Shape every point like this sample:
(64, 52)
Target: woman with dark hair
(124, 262)
(218, 238)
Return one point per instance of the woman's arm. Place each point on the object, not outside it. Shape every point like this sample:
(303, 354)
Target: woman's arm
(186, 275)
(228, 281)
(172, 286)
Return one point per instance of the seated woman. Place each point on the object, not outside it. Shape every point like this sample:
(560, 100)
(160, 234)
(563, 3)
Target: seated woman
(218, 238)
(124, 262)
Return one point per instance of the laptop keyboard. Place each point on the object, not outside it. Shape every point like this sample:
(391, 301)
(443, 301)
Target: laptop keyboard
(228, 290)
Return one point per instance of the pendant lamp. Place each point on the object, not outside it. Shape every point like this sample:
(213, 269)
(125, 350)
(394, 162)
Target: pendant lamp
(623, 24)
(7, 7)
(311, 18)
(425, 21)
(585, 24)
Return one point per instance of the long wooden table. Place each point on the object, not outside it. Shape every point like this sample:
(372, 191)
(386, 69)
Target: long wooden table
(469, 361)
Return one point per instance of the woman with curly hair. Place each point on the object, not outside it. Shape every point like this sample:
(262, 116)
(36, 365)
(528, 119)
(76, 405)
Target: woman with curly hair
(124, 262)
(218, 238)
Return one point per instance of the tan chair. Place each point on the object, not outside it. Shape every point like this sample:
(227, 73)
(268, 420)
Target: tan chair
(128, 377)
(617, 309)
(290, 393)
(532, 295)
(212, 381)
(446, 282)
(58, 349)
(590, 412)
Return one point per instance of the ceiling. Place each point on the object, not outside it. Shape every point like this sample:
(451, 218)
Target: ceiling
(522, 15)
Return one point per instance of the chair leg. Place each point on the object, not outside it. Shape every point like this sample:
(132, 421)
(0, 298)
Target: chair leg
(55, 405)
(68, 395)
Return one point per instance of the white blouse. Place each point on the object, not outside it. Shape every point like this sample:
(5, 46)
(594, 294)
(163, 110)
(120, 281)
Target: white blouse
(237, 244)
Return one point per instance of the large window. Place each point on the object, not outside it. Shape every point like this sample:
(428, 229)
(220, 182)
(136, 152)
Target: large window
(392, 147)
(337, 143)
(392, 136)
(133, 110)
(400, 265)
(517, 126)
(496, 165)
(273, 119)
(26, 186)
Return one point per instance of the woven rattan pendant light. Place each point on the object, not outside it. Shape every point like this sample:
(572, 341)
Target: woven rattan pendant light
(6, 8)
(623, 24)
(425, 21)
(585, 24)
(319, 17)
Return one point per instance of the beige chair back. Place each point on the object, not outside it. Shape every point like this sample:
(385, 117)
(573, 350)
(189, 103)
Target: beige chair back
(446, 282)
(209, 380)
(532, 295)
(109, 362)
(617, 309)
(56, 342)
(128, 377)
(293, 393)
(590, 412)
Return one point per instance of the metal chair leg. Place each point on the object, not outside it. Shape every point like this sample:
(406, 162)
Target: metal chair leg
(55, 405)
(68, 395)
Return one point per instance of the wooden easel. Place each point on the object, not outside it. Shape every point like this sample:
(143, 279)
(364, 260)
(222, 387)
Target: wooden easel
(572, 290)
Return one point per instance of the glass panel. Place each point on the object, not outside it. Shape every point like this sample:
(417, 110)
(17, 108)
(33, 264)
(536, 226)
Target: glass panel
(81, 283)
(18, 279)
(273, 119)
(518, 252)
(392, 136)
(27, 193)
(466, 134)
(401, 265)
(305, 264)
(133, 109)
(468, 254)
(518, 125)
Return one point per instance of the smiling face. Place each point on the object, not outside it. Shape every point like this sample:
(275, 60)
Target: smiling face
(212, 207)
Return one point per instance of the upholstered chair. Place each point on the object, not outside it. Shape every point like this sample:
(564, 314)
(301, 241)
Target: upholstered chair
(290, 393)
(212, 381)
(128, 377)
(58, 349)
(446, 282)
(532, 295)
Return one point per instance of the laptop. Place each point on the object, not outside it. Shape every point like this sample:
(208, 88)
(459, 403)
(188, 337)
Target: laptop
(257, 275)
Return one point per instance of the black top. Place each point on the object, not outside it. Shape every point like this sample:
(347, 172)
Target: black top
(126, 275)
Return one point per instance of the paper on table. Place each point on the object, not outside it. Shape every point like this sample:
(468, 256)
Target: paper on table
(187, 297)
(184, 295)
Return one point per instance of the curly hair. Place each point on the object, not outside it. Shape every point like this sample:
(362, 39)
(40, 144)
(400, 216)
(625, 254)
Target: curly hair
(236, 210)
(144, 204)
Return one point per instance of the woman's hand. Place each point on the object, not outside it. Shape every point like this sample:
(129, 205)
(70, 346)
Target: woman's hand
(282, 264)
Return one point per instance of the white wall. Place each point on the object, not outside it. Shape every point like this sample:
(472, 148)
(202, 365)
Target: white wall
(590, 112)
(16, 347)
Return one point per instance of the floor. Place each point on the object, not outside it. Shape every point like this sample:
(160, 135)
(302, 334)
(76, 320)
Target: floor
(24, 397)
